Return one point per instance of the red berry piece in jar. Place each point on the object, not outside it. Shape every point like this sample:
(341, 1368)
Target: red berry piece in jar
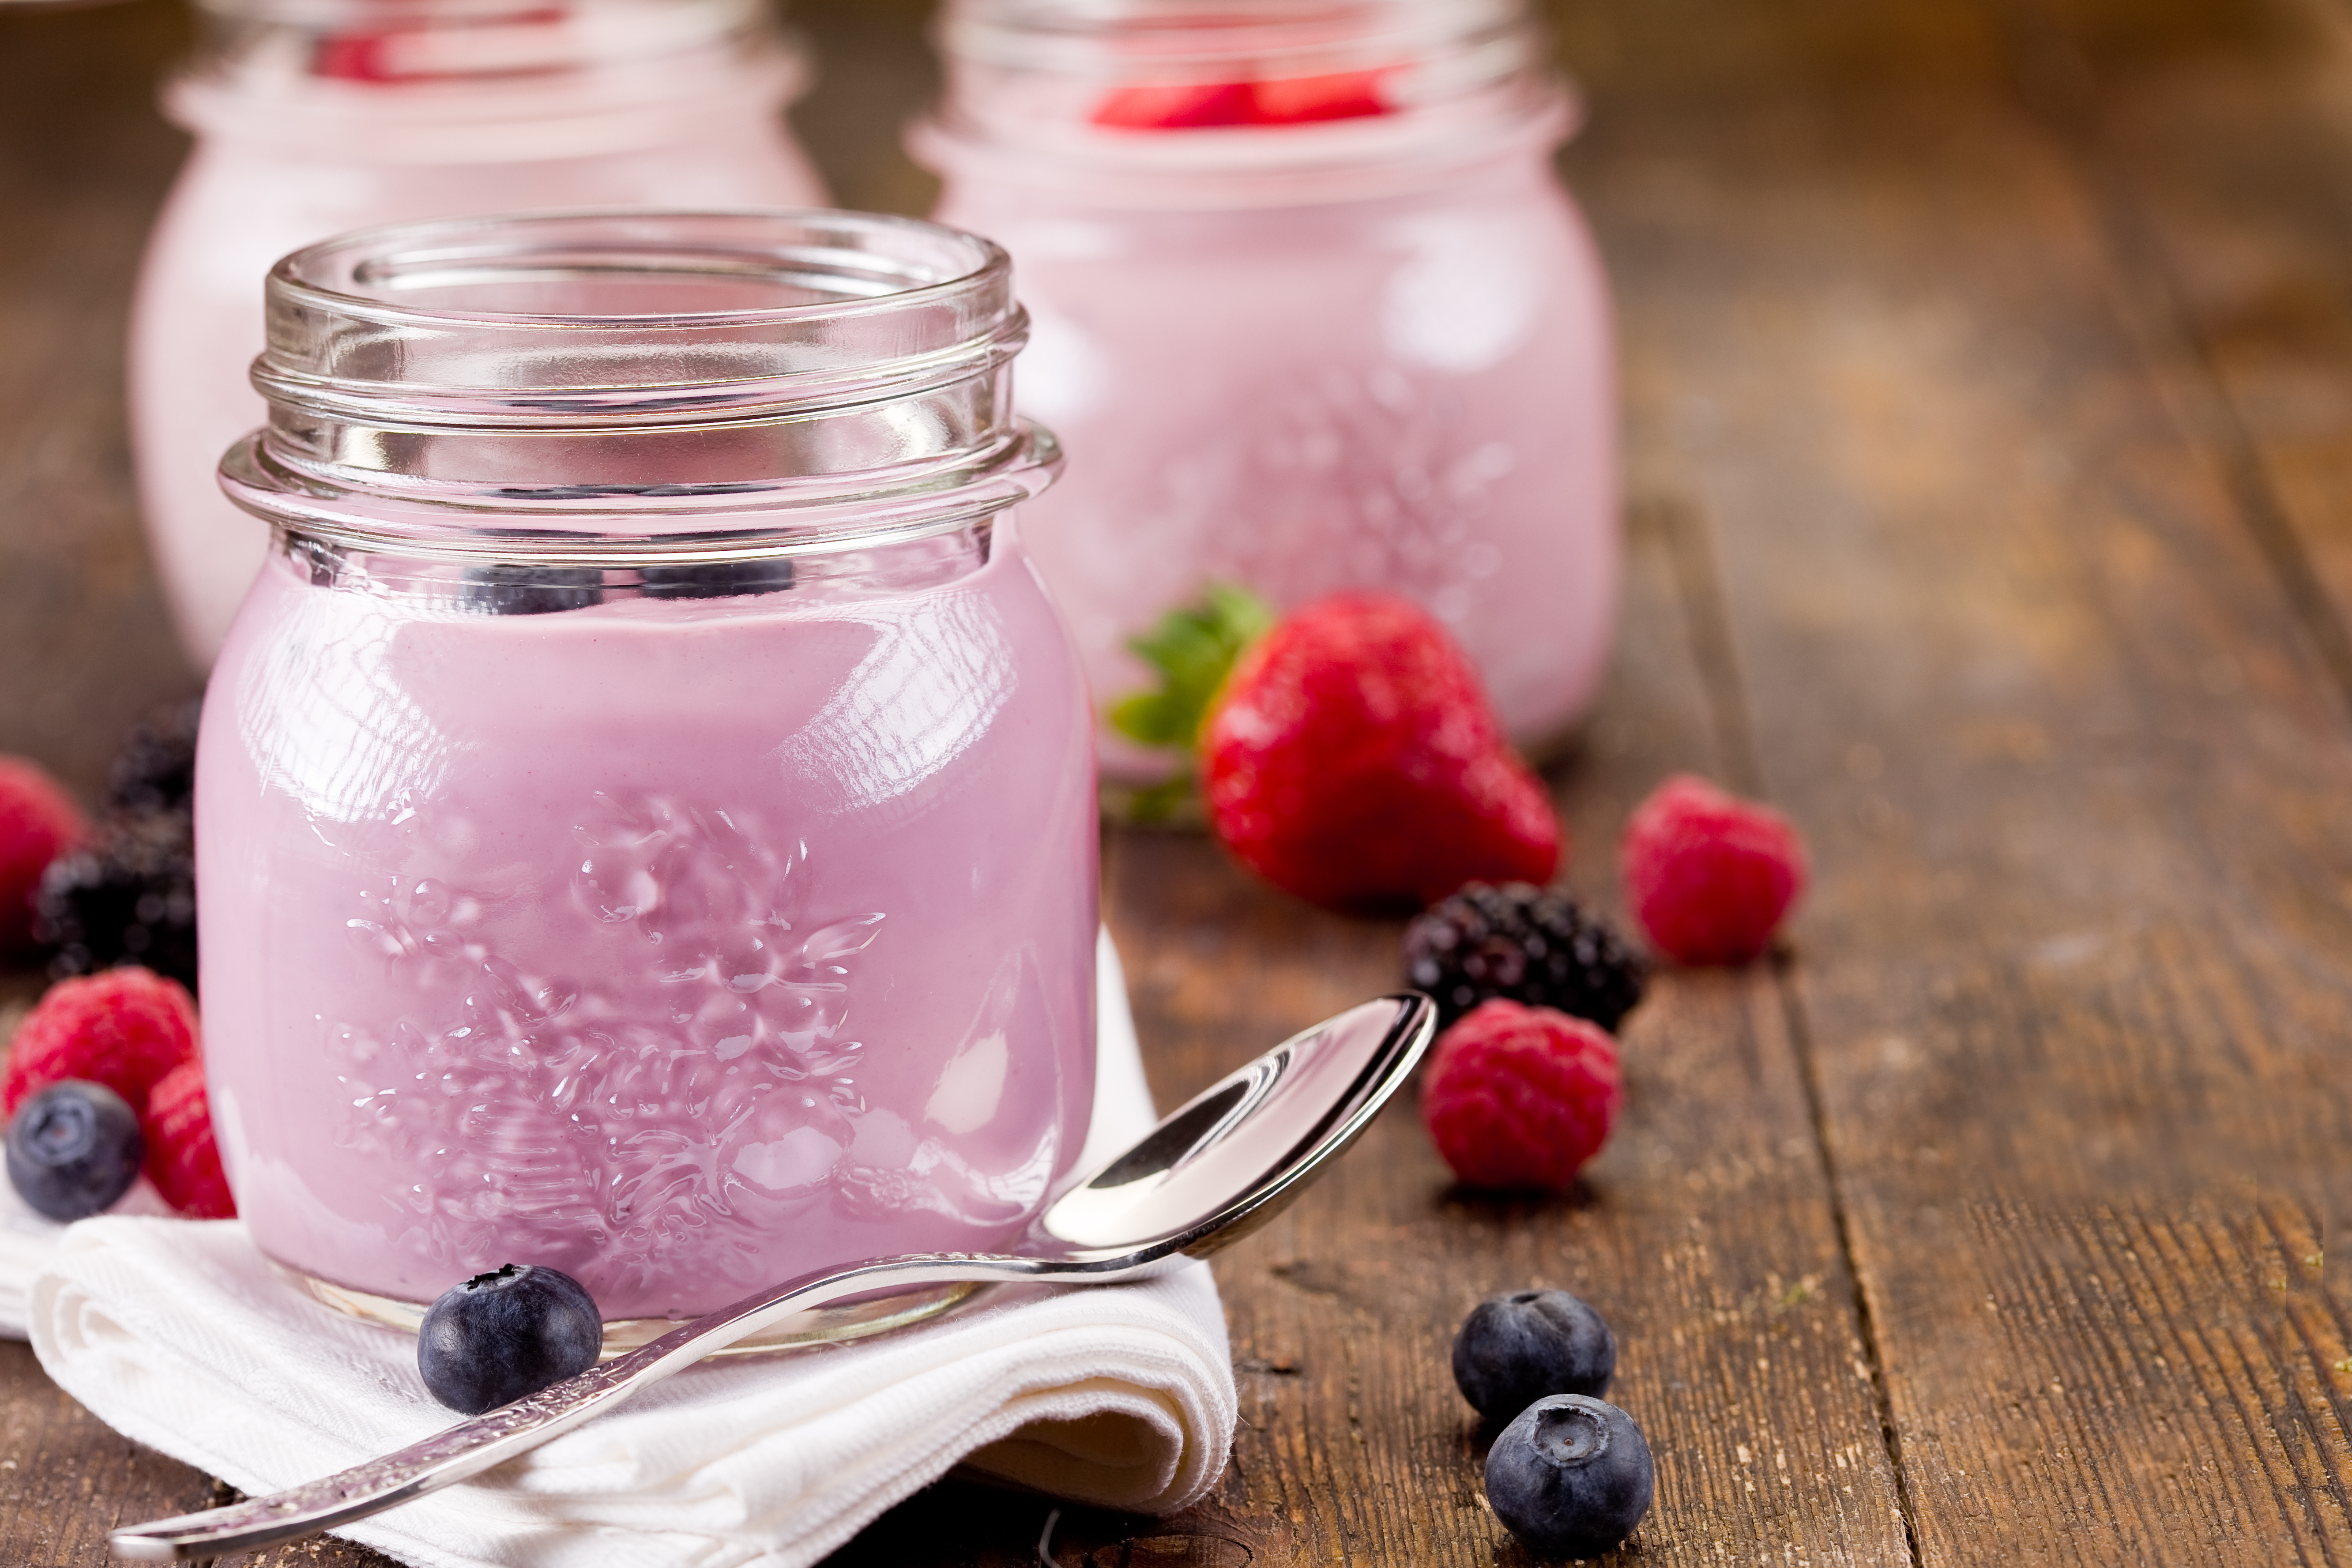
(1520, 1097)
(1709, 876)
(125, 1028)
(183, 1161)
(38, 821)
(354, 57)
(1299, 101)
(1185, 106)
(1353, 760)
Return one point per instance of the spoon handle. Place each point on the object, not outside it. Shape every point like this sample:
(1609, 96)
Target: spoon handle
(483, 1441)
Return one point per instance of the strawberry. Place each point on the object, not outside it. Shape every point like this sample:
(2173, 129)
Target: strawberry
(1183, 107)
(1341, 95)
(124, 1028)
(1347, 754)
(38, 821)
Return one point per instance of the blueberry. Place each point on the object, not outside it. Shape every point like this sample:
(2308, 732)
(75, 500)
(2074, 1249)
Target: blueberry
(498, 1336)
(717, 579)
(73, 1149)
(1513, 1350)
(1571, 1477)
(532, 590)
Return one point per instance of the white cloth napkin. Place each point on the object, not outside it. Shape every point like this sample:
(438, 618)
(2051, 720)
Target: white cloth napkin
(177, 1334)
(27, 1242)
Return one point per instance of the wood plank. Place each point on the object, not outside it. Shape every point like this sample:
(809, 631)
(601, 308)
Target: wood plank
(83, 160)
(1704, 1232)
(2070, 761)
(2214, 149)
(2074, 971)
(873, 74)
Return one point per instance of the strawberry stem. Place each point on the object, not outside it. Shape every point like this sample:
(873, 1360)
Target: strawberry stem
(1192, 649)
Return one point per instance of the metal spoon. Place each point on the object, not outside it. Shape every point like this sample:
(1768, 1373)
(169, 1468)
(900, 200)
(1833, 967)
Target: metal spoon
(1210, 1174)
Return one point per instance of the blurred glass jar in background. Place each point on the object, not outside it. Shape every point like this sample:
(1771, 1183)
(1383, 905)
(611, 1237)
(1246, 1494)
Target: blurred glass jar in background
(315, 117)
(1314, 309)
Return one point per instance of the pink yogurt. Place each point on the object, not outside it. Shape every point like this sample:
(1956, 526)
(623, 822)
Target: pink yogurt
(1416, 395)
(639, 940)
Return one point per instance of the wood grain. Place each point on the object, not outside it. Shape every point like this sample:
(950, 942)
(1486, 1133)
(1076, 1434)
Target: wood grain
(2014, 652)
(1987, 367)
(84, 645)
(1703, 1233)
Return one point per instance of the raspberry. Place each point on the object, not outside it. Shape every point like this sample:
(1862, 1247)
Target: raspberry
(183, 1161)
(1520, 941)
(38, 821)
(1520, 1097)
(1707, 874)
(125, 1028)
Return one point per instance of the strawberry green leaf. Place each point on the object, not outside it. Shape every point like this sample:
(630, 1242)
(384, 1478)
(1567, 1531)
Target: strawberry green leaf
(1163, 801)
(1192, 649)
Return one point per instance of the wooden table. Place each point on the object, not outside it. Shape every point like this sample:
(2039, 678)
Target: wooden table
(1988, 391)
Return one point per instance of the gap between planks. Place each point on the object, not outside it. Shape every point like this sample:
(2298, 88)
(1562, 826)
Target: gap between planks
(1699, 582)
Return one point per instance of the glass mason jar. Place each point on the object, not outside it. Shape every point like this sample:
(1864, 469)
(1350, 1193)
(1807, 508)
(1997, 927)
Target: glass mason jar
(646, 799)
(317, 117)
(1315, 311)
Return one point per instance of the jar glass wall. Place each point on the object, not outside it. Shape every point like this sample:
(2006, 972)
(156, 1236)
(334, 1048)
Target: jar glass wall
(317, 117)
(1312, 304)
(647, 801)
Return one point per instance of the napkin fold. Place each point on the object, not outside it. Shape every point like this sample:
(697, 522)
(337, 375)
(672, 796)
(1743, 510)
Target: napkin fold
(179, 1334)
(27, 1242)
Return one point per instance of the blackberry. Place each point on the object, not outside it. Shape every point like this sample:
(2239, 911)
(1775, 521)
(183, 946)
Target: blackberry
(1527, 945)
(128, 897)
(157, 769)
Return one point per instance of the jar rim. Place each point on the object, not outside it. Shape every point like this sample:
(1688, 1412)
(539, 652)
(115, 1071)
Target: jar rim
(294, 276)
(1185, 38)
(1247, 168)
(467, 81)
(617, 378)
(1204, 103)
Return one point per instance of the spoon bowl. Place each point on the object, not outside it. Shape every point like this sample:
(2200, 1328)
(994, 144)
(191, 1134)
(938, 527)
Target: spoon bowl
(1214, 1170)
